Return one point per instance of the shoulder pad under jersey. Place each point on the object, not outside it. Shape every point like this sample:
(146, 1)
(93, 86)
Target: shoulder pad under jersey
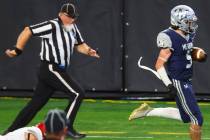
(164, 41)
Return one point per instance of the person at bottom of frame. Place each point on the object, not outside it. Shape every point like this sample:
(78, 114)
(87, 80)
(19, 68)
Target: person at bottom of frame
(176, 44)
(54, 127)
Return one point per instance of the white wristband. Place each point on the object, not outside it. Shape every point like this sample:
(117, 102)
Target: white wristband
(163, 75)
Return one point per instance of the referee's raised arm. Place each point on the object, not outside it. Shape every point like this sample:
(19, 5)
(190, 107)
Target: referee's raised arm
(21, 42)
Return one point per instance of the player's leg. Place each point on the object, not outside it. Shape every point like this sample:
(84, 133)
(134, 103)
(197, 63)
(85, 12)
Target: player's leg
(63, 82)
(191, 112)
(41, 96)
(195, 132)
(145, 110)
(167, 112)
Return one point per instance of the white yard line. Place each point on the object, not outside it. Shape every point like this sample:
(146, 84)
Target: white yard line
(118, 137)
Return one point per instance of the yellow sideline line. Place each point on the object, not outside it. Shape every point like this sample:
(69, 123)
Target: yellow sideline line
(171, 103)
(90, 100)
(114, 101)
(13, 98)
(204, 104)
(127, 101)
(137, 102)
(167, 133)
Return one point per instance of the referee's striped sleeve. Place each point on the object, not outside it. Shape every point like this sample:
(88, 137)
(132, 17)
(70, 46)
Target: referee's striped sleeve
(41, 29)
(79, 38)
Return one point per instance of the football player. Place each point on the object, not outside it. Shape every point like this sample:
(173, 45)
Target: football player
(176, 44)
(54, 127)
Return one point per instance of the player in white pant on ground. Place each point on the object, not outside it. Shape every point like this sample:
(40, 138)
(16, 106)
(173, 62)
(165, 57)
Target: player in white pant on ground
(23, 133)
(54, 127)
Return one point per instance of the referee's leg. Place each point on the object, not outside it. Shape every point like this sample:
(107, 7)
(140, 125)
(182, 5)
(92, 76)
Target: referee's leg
(74, 103)
(41, 96)
(67, 84)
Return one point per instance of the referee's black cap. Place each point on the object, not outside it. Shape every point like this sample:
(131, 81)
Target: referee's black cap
(70, 10)
(55, 121)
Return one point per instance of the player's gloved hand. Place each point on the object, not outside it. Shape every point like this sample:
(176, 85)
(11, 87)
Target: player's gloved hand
(172, 90)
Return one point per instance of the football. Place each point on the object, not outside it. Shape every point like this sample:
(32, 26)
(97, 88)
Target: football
(198, 54)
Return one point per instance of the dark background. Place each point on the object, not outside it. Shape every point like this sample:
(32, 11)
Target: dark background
(121, 30)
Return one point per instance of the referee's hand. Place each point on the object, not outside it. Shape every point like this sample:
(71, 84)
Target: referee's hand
(93, 53)
(11, 53)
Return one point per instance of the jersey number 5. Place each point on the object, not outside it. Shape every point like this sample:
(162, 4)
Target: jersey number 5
(189, 58)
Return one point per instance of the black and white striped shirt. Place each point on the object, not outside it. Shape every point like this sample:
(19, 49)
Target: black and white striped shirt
(57, 43)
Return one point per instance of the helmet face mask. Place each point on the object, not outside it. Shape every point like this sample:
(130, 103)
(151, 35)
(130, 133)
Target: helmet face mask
(184, 17)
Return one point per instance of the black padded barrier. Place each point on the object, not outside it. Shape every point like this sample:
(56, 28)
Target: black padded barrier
(121, 30)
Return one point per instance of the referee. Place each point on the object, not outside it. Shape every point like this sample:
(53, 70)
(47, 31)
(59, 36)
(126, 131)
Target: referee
(60, 37)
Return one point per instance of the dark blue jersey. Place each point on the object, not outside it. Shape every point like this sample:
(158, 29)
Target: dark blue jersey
(179, 65)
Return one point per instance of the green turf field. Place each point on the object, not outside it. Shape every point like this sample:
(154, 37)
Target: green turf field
(108, 120)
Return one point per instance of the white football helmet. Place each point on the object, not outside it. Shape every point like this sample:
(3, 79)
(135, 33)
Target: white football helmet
(184, 17)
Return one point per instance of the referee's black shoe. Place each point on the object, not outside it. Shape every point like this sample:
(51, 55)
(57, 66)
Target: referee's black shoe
(75, 135)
